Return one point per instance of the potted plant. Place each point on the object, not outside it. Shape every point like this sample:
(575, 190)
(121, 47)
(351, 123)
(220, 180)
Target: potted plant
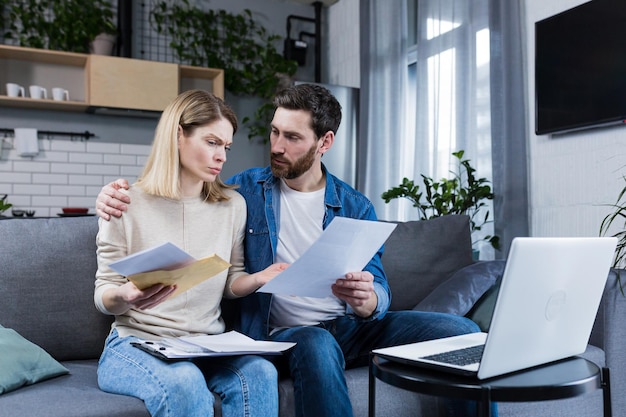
(234, 42)
(4, 205)
(64, 25)
(101, 28)
(617, 218)
(461, 194)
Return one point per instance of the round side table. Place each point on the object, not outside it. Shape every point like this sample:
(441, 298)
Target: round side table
(563, 379)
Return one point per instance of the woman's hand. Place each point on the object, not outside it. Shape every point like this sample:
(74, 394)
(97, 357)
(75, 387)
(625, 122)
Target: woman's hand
(269, 273)
(249, 283)
(121, 299)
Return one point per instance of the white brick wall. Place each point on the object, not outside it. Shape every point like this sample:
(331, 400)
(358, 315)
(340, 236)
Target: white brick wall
(65, 173)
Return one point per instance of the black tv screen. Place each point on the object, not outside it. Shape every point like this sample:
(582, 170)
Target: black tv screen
(580, 68)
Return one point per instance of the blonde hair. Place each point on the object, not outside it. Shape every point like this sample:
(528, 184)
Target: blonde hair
(190, 110)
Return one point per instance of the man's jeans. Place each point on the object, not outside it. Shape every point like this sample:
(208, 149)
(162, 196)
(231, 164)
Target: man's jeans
(247, 385)
(322, 352)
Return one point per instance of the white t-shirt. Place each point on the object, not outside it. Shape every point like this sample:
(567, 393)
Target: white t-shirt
(301, 219)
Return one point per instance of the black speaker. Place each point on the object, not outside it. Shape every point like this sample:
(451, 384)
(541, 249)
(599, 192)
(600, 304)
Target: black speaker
(295, 50)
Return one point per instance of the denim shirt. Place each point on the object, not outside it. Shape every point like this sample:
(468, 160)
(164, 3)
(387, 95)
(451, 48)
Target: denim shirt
(261, 191)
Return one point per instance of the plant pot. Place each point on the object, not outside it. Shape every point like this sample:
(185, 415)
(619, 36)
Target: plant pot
(102, 44)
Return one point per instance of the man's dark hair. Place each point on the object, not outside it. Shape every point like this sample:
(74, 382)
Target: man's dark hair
(324, 108)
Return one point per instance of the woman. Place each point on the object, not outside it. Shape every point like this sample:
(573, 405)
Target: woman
(180, 198)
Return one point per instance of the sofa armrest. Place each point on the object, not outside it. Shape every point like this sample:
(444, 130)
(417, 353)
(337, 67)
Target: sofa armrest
(609, 330)
(609, 333)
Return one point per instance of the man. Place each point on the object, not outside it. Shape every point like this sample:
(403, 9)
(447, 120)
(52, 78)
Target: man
(289, 204)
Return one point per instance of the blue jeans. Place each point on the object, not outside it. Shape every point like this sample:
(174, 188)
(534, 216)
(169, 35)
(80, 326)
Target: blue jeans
(247, 385)
(322, 352)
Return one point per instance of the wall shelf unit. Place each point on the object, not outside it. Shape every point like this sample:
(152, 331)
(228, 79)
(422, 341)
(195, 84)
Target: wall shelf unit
(97, 81)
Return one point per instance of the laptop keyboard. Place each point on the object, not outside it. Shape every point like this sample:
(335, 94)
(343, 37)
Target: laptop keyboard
(460, 357)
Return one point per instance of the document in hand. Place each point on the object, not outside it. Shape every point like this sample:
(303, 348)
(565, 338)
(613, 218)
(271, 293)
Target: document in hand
(168, 264)
(346, 245)
(226, 344)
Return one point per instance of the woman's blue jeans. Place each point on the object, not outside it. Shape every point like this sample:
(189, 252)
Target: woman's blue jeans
(247, 385)
(322, 352)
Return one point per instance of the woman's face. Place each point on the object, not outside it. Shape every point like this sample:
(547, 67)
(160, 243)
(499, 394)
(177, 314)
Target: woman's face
(203, 153)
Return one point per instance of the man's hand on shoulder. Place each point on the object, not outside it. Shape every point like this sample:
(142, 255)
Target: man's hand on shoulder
(111, 201)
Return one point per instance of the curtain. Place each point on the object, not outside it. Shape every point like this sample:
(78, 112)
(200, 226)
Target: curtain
(459, 88)
(509, 124)
(382, 100)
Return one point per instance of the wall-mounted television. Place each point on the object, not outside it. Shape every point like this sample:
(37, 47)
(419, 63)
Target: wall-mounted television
(580, 68)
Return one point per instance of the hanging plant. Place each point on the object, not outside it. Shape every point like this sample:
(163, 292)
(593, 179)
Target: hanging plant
(235, 43)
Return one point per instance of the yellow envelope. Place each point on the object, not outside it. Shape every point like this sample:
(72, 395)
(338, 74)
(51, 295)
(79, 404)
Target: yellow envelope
(184, 278)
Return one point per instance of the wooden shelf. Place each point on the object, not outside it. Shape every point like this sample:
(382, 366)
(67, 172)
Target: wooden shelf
(97, 81)
(43, 55)
(42, 104)
(131, 83)
(210, 79)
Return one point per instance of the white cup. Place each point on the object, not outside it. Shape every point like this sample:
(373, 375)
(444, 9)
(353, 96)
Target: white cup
(38, 92)
(15, 90)
(60, 94)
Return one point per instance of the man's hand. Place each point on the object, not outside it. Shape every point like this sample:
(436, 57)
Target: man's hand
(110, 201)
(357, 289)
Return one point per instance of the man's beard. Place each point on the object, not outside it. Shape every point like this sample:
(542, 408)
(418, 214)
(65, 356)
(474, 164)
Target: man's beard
(296, 169)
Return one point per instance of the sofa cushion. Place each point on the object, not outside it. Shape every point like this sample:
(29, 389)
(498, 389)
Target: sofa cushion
(420, 255)
(23, 362)
(73, 395)
(463, 289)
(46, 294)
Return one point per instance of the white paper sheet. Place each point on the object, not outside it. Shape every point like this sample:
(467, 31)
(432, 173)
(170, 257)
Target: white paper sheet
(346, 245)
(165, 256)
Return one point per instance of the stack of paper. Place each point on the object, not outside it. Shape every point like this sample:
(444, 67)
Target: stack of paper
(225, 344)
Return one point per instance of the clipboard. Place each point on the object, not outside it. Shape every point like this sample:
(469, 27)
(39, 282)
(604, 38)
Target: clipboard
(226, 344)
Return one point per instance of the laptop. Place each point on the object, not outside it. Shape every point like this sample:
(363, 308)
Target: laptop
(546, 306)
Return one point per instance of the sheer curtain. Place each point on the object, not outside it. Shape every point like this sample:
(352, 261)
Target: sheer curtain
(451, 91)
(509, 132)
(382, 99)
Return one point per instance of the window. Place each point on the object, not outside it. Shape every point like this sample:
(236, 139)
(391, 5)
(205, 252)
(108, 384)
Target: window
(448, 87)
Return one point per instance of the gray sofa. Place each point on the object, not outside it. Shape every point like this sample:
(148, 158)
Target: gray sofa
(47, 271)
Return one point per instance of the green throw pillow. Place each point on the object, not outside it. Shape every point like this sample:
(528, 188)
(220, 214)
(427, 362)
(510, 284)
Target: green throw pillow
(23, 362)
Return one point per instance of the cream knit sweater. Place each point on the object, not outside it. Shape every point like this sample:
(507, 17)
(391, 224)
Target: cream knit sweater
(198, 227)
